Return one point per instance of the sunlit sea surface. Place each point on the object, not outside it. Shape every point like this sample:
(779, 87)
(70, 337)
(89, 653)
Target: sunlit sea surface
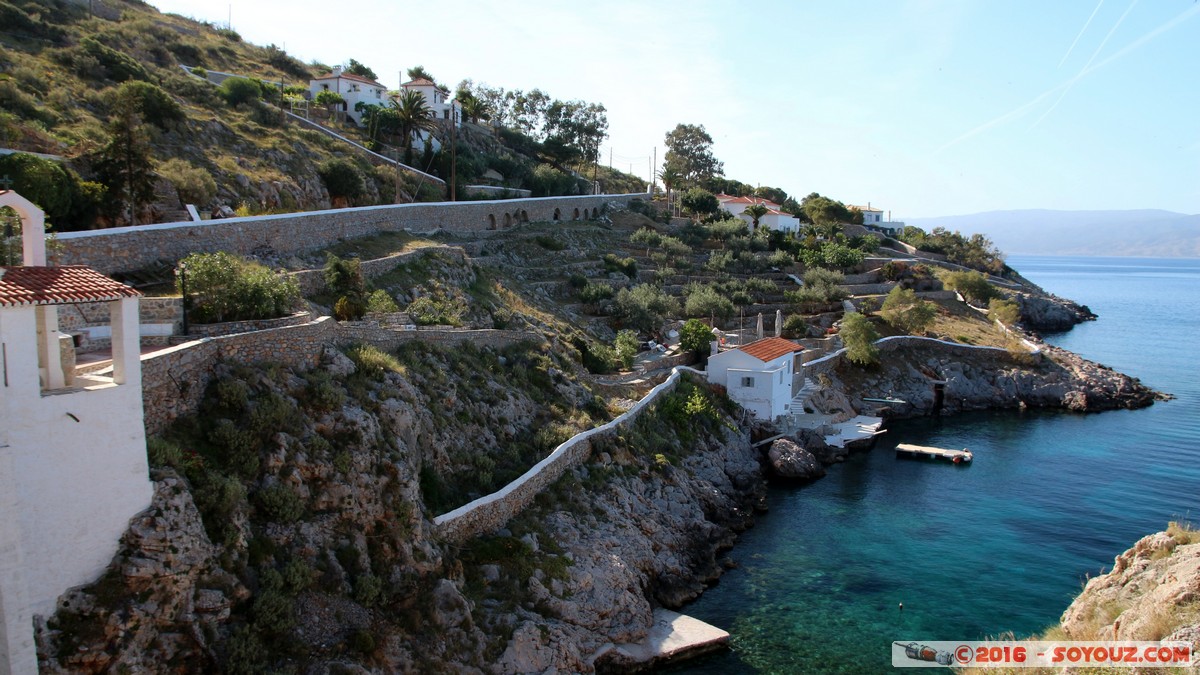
(1000, 546)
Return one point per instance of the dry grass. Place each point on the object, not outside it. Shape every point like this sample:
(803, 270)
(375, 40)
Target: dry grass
(960, 323)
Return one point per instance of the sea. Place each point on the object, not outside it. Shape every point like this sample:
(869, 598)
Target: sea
(999, 547)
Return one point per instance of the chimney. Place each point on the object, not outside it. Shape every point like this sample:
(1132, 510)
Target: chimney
(337, 71)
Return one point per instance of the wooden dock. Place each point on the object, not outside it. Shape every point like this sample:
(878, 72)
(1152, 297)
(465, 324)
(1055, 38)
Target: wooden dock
(963, 456)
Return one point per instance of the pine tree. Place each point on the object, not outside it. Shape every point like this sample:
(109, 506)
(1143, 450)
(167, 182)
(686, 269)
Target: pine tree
(125, 164)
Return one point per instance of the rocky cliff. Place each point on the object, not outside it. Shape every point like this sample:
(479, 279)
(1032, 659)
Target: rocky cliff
(291, 528)
(1151, 593)
(979, 379)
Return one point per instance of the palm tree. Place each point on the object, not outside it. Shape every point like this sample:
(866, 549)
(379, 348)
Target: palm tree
(412, 115)
(671, 178)
(473, 107)
(756, 211)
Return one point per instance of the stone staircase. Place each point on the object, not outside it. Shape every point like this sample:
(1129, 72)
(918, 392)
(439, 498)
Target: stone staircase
(807, 388)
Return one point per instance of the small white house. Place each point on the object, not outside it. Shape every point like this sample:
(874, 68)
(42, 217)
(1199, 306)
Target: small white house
(354, 89)
(758, 375)
(437, 100)
(73, 467)
(774, 219)
(873, 220)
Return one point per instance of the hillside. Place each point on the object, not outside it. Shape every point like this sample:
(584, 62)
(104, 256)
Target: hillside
(99, 85)
(1142, 233)
(296, 524)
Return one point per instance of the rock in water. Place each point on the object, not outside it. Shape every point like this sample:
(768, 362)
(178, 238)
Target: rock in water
(789, 460)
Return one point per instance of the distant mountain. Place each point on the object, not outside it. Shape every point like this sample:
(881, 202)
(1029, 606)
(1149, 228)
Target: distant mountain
(1142, 232)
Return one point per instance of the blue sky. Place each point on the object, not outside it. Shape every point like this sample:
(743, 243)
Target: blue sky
(922, 107)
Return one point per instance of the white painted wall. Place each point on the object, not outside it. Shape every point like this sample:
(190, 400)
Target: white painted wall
(353, 91)
(770, 394)
(73, 471)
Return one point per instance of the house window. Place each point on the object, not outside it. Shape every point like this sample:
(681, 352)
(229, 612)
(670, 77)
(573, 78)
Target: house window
(325, 87)
(445, 114)
(747, 381)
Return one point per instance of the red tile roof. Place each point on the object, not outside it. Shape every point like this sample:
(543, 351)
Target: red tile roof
(350, 76)
(750, 200)
(419, 82)
(58, 286)
(769, 349)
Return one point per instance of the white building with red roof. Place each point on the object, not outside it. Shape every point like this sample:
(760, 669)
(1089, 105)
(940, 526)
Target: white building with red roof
(73, 467)
(758, 375)
(774, 218)
(354, 89)
(438, 101)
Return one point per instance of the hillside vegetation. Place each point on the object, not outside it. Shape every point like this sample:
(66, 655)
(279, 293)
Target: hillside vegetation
(100, 85)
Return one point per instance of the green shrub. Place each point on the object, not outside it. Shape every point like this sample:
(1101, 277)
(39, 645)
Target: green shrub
(428, 310)
(626, 347)
(549, 243)
(904, 310)
(97, 60)
(349, 308)
(593, 293)
(626, 266)
(706, 301)
(240, 90)
(1006, 312)
(695, 337)
(280, 504)
(859, 337)
(644, 307)
(374, 362)
(224, 287)
(155, 105)
(298, 575)
(380, 302)
(194, 185)
(973, 285)
(795, 327)
(342, 179)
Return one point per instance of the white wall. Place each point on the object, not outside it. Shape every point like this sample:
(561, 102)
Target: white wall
(75, 466)
(771, 393)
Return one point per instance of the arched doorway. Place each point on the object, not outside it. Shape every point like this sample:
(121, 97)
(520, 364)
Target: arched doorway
(491, 221)
(557, 214)
(507, 221)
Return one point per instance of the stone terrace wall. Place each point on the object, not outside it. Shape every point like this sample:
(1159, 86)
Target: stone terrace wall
(492, 511)
(313, 281)
(174, 380)
(125, 249)
(234, 327)
(826, 364)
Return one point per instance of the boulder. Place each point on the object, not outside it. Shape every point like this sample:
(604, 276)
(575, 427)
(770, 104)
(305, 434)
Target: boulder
(789, 460)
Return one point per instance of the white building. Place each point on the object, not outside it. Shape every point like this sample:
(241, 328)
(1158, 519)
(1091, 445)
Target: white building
(73, 467)
(758, 375)
(873, 220)
(774, 218)
(437, 100)
(354, 89)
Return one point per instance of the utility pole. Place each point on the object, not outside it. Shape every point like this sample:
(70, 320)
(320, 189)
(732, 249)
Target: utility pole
(610, 156)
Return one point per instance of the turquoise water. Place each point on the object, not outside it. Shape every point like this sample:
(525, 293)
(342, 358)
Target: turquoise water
(1003, 545)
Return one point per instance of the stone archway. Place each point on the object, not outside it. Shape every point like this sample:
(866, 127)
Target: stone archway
(557, 214)
(491, 221)
(576, 216)
(595, 212)
(524, 216)
(507, 220)
(33, 227)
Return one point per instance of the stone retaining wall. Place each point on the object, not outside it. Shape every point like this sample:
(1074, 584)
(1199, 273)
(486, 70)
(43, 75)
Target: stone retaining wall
(491, 512)
(313, 281)
(174, 380)
(201, 330)
(827, 364)
(125, 249)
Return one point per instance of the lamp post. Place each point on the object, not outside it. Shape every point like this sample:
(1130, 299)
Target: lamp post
(453, 149)
(181, 272)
